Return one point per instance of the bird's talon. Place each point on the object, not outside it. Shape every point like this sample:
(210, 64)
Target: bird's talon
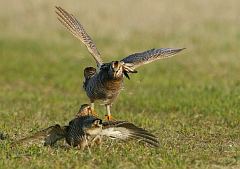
(108, 117)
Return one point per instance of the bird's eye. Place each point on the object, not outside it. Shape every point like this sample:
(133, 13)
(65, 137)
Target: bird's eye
(114, 64)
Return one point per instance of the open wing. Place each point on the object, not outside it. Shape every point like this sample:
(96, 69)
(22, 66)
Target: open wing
(137, 59)
(75, 27)
(125, 130)
(49, 136)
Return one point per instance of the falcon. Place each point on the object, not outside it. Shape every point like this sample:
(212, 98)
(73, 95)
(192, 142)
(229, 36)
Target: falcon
(105, 82)
(86, 130)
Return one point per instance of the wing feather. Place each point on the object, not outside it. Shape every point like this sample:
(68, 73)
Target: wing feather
(137, 59)
(49, 136)
(125, 130)
(75, 27)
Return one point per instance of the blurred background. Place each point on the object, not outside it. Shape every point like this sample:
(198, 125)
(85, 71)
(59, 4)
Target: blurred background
(191, 101)
(182, 23)
(41, 63)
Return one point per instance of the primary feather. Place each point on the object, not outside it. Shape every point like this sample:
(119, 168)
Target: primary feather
(49, 136)
(125, 130)
(137, 59)
(75, 27)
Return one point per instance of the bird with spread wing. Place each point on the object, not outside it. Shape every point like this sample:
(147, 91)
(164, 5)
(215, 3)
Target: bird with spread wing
(106, 82)
(86, 129)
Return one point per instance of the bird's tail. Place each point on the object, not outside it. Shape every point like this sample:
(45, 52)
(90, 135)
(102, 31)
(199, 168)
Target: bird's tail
(125, 130)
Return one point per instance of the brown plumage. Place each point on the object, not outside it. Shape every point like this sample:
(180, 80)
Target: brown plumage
(106, 82)
(87, 130)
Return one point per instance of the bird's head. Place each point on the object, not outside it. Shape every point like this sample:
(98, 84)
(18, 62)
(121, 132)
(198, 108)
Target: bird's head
(92, 126)
(85, 110)
(116, 69)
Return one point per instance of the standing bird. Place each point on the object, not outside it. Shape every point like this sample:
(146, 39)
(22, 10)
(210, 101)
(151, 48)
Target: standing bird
(105, 82)
(86, 130)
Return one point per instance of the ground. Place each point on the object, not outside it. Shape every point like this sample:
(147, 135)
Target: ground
(191, 101)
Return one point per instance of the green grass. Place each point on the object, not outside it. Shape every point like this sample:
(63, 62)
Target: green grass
(191, 102)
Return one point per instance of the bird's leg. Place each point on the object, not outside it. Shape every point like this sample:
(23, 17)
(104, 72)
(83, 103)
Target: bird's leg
(93, 112)
(108, 116)
(92, 105)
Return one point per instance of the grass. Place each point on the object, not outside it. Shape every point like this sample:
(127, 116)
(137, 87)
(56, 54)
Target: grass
(191, 102)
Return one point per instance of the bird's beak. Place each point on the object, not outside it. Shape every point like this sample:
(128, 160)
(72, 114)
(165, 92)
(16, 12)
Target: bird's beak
(117, 68)
(97, 123)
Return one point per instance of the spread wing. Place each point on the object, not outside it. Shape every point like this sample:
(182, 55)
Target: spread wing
(75, 27)
(137, 59)
(125, 130)
(49, 136)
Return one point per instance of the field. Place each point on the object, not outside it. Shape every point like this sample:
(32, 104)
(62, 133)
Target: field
(191, 101)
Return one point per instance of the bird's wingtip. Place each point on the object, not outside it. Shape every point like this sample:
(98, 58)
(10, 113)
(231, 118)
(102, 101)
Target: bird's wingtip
(180, 49)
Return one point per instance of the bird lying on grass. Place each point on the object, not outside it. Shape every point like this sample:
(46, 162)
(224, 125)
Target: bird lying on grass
(106, 82)
(86, 129)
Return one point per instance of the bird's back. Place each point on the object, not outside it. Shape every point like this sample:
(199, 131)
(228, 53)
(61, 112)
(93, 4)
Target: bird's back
(76, 130)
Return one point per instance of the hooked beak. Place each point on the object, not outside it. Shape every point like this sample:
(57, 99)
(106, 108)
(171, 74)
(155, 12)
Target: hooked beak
(98, 122)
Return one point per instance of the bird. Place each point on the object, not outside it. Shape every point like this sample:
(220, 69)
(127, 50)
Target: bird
(105, 82)
(86, 130)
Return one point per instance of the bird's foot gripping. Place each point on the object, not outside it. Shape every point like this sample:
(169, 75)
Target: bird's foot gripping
(109, 117)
